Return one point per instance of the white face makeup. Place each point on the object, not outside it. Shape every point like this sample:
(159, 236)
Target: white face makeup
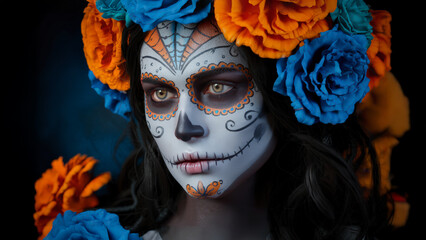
(202, 108)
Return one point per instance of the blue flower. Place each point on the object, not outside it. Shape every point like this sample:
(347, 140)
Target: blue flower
(116, 101)
(90, 225)
(353, 17)
(326, 77)
(148, 13)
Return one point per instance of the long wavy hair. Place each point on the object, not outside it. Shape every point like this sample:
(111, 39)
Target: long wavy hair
(308, 184)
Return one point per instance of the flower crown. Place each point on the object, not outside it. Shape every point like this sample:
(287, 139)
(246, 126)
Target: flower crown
(329, 52)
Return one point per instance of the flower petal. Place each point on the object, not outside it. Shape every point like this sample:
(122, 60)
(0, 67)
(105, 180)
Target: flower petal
(325, 78)
(102, 48)
(72, 189)
(96, 184)
(272, 29)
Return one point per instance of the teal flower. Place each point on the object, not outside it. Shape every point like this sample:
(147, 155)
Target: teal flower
(113, 9)
(353, 17)
(90, 225)
(325, 78)
(148, 13)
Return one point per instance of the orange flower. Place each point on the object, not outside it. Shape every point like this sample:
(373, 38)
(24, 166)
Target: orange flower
(385, 109)
(380, 49)
(383, 147)
(102, 48)
(66, 187)
(272, 28)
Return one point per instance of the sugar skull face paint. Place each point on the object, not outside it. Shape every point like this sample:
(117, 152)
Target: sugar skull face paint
(202, 108)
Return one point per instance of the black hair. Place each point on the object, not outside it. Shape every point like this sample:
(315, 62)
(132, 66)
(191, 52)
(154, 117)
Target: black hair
(309, 183)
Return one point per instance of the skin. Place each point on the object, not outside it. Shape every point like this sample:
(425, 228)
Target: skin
(235, 216)
(206, 116)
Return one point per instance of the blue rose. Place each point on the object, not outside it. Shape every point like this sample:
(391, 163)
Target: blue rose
(148, 13)
(116, 101)
(326, 77)
(353, 17)
(90, 225)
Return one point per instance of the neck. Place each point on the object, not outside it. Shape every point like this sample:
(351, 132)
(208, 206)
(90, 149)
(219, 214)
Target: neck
(237, 215)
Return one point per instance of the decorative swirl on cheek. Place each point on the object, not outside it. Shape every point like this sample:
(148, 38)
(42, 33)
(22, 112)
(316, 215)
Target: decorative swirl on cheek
(250, 115)
(159, 131)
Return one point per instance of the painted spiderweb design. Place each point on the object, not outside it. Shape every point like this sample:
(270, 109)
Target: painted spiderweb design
(176, 42)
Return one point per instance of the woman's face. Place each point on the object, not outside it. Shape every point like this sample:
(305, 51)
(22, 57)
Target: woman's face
(202, 108)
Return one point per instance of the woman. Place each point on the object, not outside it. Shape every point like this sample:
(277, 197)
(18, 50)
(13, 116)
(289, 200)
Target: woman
(228, 146)
(247, 172)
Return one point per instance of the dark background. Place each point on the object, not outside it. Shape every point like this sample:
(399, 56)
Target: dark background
(49, 109)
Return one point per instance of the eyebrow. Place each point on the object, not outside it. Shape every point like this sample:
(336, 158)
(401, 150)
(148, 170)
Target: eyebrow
(150, 80)
(213, 72)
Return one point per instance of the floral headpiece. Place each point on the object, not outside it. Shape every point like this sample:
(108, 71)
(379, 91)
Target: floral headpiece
(329, 52)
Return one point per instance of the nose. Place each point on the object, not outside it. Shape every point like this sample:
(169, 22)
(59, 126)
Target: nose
(185, 130)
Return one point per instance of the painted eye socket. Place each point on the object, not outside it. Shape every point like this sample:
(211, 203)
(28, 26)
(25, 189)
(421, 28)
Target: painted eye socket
(162, 94)
(217, 88)
(220, 88)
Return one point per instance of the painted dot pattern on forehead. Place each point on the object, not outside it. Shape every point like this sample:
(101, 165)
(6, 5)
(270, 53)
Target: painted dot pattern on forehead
(217, 111)
(158, 116)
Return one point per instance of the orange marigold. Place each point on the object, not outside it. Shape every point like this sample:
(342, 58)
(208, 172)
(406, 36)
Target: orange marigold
(383, 146)
(380, 49)
(385, 109)
(66, 187)
(272, 28)
(102, 48)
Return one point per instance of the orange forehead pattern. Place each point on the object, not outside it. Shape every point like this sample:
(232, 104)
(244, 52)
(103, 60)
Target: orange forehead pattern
(175, 42)
(205, 31)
